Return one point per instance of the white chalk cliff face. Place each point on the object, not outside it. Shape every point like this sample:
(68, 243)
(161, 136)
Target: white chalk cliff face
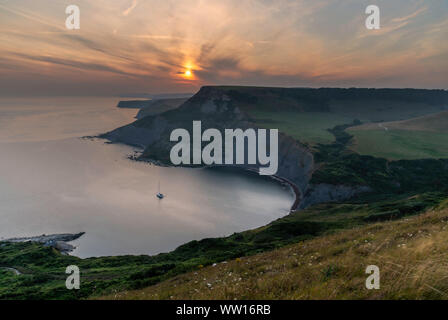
(217, 110)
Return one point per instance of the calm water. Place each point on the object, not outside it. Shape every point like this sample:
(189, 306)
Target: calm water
(51, 181)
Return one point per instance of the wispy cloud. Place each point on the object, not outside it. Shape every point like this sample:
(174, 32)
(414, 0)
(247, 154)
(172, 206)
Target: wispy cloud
(31, 16)
(410, 16)
(258, 42)
(88, 66)
(132, 7)
(394, 24)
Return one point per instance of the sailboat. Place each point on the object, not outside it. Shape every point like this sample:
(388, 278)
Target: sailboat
(160, 195)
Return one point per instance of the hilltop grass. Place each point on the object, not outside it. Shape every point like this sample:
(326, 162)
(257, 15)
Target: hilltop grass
(396, 144)
(434, 122)
(412, 255)
(307, 127)
(337, 164)
(417, 138)
(380, 110)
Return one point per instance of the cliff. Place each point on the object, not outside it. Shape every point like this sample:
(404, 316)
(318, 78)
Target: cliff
(217, 110)
(134, 104)
(159, 106)
(229, 107)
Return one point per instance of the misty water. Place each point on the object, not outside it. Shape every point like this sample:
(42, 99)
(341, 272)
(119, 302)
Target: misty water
(52, 181)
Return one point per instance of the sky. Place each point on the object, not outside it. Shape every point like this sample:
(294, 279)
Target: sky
(153, 46)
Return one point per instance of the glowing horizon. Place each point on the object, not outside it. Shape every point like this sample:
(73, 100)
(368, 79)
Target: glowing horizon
(177, 46)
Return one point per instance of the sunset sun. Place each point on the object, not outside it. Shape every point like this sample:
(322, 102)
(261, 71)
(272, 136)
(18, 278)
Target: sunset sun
(188, 73)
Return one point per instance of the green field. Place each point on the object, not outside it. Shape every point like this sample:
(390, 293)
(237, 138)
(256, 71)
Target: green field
(400, 144)
(307, 127)
(377, 110)
(423, 137)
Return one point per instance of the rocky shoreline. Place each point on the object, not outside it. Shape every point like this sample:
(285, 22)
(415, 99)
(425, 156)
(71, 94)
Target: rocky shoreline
(294, 188)
(57, 241)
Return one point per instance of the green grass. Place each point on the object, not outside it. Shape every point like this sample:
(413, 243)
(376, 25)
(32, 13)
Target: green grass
(43, 268)
(307, 127)
(400, 144)
(411, 254)
(378, 110)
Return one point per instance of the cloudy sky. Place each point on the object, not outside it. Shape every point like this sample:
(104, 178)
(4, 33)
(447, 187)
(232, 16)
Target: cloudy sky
(153, 46)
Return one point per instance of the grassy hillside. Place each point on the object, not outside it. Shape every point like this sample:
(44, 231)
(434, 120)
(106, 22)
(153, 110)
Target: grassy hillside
(307, 114)
(436, 122)
(401, 144)
(380, 110)
(411, 255)
(419, 138)
(43, 268)
(307, 127)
